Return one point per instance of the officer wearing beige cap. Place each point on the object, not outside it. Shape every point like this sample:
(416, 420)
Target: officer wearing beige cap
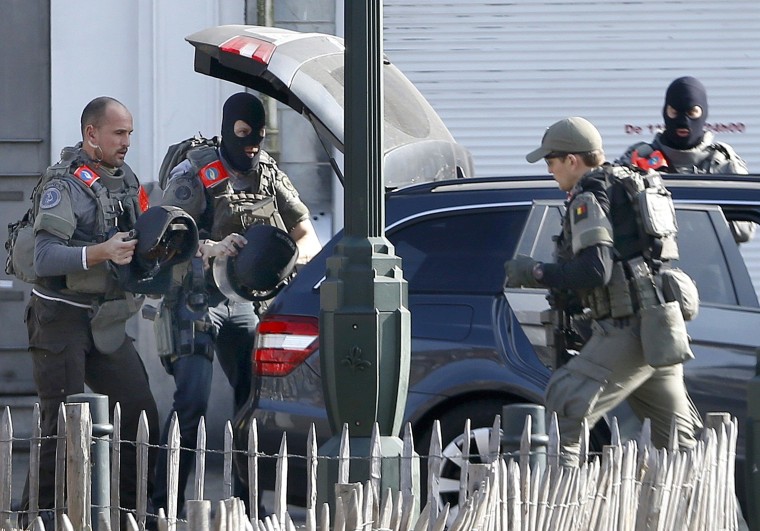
(605, 272)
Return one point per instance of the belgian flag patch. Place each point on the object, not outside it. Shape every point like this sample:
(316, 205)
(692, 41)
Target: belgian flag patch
(580, 212)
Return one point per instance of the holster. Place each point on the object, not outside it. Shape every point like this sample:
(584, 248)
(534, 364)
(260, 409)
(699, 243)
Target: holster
(562, 340)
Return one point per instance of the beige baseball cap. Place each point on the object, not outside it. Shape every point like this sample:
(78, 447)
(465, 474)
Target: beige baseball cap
(571, 135)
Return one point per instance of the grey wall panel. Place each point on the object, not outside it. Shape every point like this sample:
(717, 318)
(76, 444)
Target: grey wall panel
(24, 154)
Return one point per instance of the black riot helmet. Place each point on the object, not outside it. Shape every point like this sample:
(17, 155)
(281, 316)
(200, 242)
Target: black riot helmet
(261, 268)
(248, 108)
(166, 236)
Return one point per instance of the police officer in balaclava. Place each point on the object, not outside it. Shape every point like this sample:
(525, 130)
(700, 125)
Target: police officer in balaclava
(685, 113)
(242, 131)
(226, 190)
(686, 145)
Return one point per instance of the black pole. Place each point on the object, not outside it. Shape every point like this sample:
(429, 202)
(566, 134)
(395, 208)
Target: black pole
(365, 327)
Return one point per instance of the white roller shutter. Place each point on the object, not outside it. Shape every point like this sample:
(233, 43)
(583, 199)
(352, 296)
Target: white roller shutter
(500, 72)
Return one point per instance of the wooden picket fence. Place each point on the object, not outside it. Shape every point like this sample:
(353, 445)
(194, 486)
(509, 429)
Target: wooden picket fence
(630, 486)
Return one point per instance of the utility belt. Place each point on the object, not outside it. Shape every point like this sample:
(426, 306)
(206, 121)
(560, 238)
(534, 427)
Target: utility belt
(625, 294)
(178, 333)
(663, 303)
(181, 321)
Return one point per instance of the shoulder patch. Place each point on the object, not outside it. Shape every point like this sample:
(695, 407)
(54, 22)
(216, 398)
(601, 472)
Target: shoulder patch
(580, 211)
(86, 175)
(50, 198)
(287, 183)
(212, 173)
(183, 193)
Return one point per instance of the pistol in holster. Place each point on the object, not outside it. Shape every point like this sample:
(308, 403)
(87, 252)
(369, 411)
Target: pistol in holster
(561, 336)
(181, 322)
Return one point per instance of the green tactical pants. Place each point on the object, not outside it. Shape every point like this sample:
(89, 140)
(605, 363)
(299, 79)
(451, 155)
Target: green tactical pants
(609, 369)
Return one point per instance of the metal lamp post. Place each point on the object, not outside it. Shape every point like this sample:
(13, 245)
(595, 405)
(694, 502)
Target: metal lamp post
(364, 321)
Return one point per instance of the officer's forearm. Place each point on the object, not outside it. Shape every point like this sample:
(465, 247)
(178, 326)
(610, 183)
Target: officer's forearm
(590, 268)
(307, 241)
(52, 257)
(96, 254)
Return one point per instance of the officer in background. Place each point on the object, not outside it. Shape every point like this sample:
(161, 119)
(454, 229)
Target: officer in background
(597, 253)
(684, 146)
(226, 190)
(77, 312)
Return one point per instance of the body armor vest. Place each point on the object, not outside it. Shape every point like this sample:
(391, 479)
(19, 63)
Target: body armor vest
(117, 210)
(709, 156)
(234, 211)
(639, 249)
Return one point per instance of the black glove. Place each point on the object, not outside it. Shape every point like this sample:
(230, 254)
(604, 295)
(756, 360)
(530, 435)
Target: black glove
(520, 272)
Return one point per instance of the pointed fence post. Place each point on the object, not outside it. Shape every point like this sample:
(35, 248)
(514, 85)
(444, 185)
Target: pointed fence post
(198, 515)
(101, 433)
(435, 458)
(369, 510)
(464, 469)
(281, 481)
(220, 518)
(344, 456)
(172, 472)
(375, 463)
(253, 471)
(386, 509)
(410, 472)
(553, 445)
(324, 517)
(227, 488)
(78, 440)
(200, 461)
(311, 480)
(143, 442)
(513, 514)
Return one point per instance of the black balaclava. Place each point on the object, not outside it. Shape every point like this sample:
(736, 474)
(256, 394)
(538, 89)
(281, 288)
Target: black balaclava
(246, 107)
(683, 94)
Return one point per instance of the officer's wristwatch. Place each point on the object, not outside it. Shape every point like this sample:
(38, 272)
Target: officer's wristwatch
(538, 271)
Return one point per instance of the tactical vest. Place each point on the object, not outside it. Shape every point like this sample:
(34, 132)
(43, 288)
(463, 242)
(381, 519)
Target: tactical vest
(233, 211)
(643, 221)
(117, 210)
(708, 157)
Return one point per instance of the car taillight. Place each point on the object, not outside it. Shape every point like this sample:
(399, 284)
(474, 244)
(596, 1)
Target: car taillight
(283, 342)
(256, 49)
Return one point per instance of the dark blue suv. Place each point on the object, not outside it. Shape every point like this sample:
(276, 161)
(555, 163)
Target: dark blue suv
(475, 345)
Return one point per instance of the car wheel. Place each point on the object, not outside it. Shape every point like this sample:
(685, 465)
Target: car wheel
(481, 414)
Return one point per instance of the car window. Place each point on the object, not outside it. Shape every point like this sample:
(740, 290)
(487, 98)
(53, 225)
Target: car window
(459, 252)
(750, 251)
(701, 255)
(551, 226)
